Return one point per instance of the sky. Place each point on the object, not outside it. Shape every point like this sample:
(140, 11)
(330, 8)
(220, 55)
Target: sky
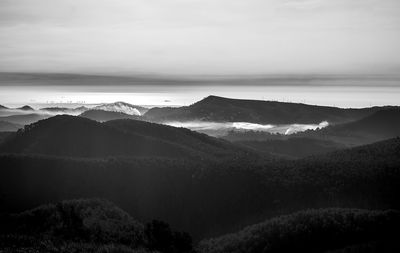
(200, 37)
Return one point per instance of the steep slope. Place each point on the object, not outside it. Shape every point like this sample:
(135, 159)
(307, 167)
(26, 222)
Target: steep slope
(3, 107)
(380, 125)
(101, 115)
(9, 127)
(309, 231)
(76, 136)
(221, 109)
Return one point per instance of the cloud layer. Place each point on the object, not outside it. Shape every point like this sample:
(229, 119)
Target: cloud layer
(200, 36)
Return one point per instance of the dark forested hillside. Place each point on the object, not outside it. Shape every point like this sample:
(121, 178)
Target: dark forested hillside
(76, 136)
(181, 136)
(310, 231)
(380, 125)
(293, 147)
(87, 225)
(101, 115)
(209, 198)
(221, 109)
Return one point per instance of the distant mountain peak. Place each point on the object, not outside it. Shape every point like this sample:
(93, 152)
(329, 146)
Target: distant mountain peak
(26, 108)
(122, 107)
(3, 107)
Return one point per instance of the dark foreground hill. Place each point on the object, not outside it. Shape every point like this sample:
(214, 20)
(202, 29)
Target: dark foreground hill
(79, 137)
(220, 109)
(101, 115)
(312, 231)
(380, 125)
(209, 198)
(78, 219)
(87, 225)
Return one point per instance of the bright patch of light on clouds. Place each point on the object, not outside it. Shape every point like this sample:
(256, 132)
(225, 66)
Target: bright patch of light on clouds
(222, 128)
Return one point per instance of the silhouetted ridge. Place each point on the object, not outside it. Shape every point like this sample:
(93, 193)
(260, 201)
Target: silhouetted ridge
(219, 109)
(77, 136)
(3, 107)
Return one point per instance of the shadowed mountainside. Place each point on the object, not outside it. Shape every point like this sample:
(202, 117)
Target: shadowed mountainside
(79, 137)
(293, 147)
(101, 115)
(310, 231)
(209, 198)
(379, 126)
(219, 109)
(383, 124)
(87, 225)
(181, 136)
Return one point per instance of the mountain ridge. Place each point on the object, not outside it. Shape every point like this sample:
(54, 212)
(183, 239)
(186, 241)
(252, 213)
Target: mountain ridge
(221, 109)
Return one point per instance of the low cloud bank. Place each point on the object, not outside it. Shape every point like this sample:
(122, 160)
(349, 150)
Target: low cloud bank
(220, 129)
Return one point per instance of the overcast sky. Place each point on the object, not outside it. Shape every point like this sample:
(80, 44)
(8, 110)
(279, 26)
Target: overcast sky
(200, 36)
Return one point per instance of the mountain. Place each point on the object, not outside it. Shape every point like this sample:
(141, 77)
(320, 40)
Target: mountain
(24, 119)
(220, 109)
(208, 197)
(310, 231)
(101, 115)
(9, 127)
(380, 125)
(182, 136)
(3, 107)
(87, 225)
(123, 108)
(25, 108)
(65, 135)
(65, 110)
(73, 218)
(293, 147)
